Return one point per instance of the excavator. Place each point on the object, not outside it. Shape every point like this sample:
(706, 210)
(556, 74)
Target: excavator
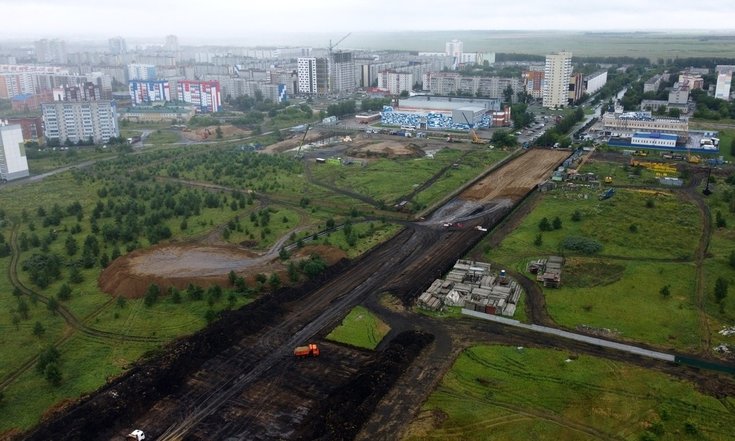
(475, 139)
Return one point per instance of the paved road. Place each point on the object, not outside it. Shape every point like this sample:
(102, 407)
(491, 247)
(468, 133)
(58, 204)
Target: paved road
(570, 335)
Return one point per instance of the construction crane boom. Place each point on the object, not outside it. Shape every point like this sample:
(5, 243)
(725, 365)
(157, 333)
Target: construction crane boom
(475, 139)
(332, 46)
(301, 144)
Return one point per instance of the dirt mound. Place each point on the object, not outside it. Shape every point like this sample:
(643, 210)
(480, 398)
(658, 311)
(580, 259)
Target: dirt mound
(178, 265)
(295, 140)
(204, 133)
(388, 149)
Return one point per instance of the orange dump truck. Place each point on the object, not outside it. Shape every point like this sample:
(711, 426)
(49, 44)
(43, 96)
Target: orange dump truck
(306, 351)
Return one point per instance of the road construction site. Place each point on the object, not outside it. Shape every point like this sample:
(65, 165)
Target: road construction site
(238, 379)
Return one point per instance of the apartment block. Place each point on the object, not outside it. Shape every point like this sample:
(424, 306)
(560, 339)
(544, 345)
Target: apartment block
(395, 82)
(142, 72)
(80, 120)
(724, 81)
(313, 75)
(205, 95)
(146, 92)
(557, 73)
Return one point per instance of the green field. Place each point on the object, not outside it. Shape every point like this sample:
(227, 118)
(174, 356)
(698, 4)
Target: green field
(668, 230)
(124, 204)
(389, 180)
(617, 291)
(360, 328)
(505, 393)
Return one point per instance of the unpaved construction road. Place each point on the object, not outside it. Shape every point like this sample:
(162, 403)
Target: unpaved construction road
(250, 387)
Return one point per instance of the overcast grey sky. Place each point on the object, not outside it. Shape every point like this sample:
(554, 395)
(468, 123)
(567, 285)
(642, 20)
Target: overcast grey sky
(199, 20)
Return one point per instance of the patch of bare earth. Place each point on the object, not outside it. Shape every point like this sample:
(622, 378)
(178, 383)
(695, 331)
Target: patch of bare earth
(204, 133)
(178, 265)
(517, 178)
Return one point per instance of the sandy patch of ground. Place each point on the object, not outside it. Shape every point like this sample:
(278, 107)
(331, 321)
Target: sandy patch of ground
(205, 133)
(515, 179)
(179, 265)
(389, 148)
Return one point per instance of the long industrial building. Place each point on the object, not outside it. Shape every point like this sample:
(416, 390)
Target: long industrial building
(442, 113)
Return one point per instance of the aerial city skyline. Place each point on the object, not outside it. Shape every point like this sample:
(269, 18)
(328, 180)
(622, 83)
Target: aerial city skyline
(367, 221)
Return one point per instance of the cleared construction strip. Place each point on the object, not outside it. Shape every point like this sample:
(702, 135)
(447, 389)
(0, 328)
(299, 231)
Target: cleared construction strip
(572, 336)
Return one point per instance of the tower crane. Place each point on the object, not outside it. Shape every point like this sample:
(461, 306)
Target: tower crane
(330, 61)
(332, 46)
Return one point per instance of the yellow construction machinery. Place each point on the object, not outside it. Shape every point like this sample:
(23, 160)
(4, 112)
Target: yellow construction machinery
(608, 180)
(693, 159)
(475, 139)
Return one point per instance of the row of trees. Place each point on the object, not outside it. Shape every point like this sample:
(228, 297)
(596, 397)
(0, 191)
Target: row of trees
(558, 133)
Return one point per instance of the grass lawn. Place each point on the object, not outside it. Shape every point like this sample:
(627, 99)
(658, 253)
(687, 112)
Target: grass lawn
(621, 174)
(470, 167)
(619, 289)
(624, 296)
(360, 328)
(368, 235)
(84, 365)
(386, 179)
(669, 230)
(162, 137)
(717, 265)
(503, 393)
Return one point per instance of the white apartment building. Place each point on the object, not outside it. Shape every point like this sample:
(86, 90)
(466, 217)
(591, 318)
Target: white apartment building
(454, 49)
(13, 162)
(395, 82)
(80, 120)
(450, 83)
(724, 81)
(557, 72)
(312, 75)
(141, 72)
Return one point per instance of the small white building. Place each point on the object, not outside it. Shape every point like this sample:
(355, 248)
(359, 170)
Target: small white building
(13, 161)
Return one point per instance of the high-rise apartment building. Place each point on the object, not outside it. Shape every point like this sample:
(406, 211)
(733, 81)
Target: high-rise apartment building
(143, 72)
(205, 95)
(13, 161)
(14, 84)
(454, 49)
(724, 81)
(117, 46)
(557, 72)
(50, 51)
(145, 92)
(395, 82)
(80, 120)
(313, 75)
(172, 43)
(533, 82)
(342, 72)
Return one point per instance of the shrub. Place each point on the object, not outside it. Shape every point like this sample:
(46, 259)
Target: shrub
(581, 244)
